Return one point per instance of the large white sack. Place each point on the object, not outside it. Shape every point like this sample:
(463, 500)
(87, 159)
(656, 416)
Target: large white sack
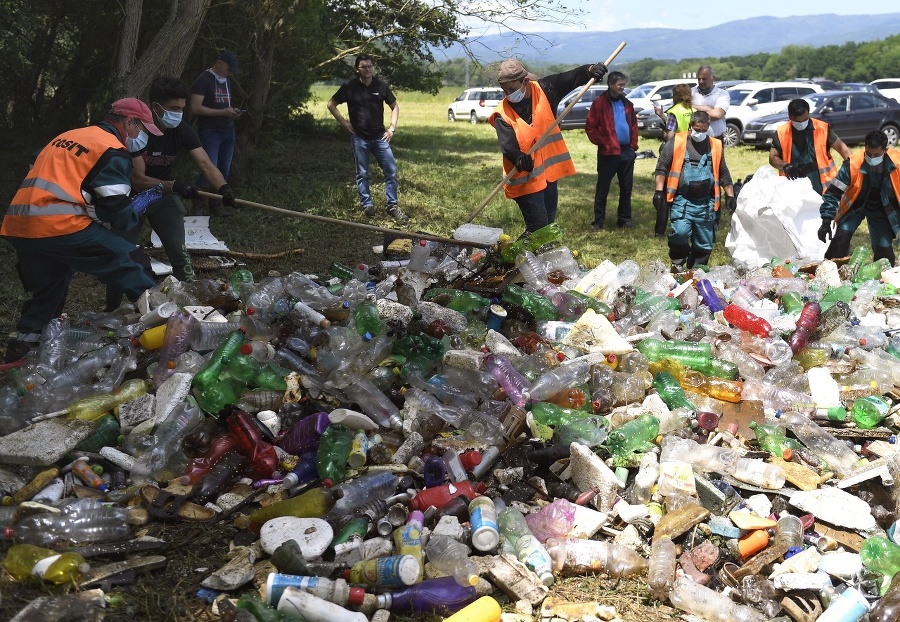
(775, 217)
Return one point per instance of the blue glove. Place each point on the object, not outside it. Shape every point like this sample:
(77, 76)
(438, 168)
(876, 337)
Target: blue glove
(142, 200)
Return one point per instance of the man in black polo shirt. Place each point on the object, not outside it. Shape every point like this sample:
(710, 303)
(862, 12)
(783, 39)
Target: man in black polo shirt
(154, 165)
(366, 97)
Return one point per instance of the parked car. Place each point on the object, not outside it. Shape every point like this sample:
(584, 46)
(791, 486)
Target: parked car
(657, 93)
(857, 86)
(475, 104)
(851, 115)
(889, 87)
(650, 125)
(577, 117)
(750, 101)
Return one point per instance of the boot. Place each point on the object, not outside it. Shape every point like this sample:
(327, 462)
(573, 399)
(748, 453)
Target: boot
(884, 252)
(699, 258)
(679, 254)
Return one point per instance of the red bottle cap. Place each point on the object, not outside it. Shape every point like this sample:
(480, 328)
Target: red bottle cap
(357, 595)
(423, 243)
(470, 459)
(246, 349)
(345, 574)
(327, 482)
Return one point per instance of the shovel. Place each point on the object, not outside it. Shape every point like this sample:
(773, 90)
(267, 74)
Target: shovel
(540, 141)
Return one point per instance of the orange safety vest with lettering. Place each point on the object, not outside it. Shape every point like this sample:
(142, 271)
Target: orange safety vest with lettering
(673, 180)
(50, 201)
(551, 161)
(824, 162)
(852, 192)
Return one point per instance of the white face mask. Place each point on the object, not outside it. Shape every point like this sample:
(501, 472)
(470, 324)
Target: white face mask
(136, 144)
(516, 96)
(170, 119)
(874, 161)
(800, 125)
(698, 136)
(219, 78)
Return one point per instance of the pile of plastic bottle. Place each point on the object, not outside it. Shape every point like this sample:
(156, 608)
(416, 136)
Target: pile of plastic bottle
(723, 436)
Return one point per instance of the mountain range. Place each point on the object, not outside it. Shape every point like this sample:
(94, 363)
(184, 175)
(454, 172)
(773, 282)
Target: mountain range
(735, 38)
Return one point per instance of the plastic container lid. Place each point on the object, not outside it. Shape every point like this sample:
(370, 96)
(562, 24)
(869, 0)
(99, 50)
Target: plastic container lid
(357, 597)
(408, 570)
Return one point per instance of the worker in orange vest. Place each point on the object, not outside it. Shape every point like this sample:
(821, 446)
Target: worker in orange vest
(690, 172)
(54, 235)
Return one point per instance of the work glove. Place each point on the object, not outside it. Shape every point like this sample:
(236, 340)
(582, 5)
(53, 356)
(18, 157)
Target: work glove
(184, 189)
(730, 203)
(597, 71)
(525, 163)
(824, 232)
(791, 172)
(662, 212)
(228, 195)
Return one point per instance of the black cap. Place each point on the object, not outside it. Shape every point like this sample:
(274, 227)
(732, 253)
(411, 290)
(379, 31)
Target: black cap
(231, 60)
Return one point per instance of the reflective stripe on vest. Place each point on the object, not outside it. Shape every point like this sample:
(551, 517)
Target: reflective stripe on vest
(50, 201)
(827, 169)
(552, 161)
(673, 179)
(856, 179)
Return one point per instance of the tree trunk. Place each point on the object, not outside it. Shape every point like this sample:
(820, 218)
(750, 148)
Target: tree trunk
(166, 54)
(272, 18)
(131, 28)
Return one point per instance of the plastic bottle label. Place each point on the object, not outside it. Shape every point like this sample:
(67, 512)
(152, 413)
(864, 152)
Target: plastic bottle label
(41, 567)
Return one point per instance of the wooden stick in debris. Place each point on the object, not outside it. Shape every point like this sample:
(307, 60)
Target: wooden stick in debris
(337, 221)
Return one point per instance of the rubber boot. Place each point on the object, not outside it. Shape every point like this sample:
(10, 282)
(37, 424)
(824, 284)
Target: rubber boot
(699, 258)
(840, 244)
(884, 252)
(679, 254)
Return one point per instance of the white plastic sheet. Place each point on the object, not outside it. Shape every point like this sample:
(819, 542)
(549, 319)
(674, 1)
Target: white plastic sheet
(775, 217)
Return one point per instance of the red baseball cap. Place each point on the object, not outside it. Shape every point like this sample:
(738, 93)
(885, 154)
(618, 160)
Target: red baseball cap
(132, 107)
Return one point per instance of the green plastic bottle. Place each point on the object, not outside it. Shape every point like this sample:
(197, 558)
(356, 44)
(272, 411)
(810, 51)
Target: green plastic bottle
(871, 270)
(671, 392)
(635, 436)
(844, 293)
(243, 367)
(331, 459)
(861, 255)
(271, 376)
(538, 306)
(719, 368)
(367, 321)
(457, 299)
(545, 235)
(880, 555)
(314, 503)
(339, 271)
(792, 302)
(691, 354)
(106, 434)
(261, 610)
(773, 439)
(226, 351)
(551, 414)
(868, 412)
(599, 307)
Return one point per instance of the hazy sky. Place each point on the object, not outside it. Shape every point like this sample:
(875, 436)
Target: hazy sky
(693, 14)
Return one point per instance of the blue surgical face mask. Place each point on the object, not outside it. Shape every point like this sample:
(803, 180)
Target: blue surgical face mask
(800, 125)
(516, 96)
(136, 144)
(170, 119)
(874, 161)
(698, 136)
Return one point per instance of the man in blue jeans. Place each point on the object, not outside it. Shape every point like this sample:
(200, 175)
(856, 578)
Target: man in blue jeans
(212, 105)
(366, 97)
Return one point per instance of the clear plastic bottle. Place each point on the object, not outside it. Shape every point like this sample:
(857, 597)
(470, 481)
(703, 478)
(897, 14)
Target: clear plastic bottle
(82, 521)
(452, 557)
(708, 604)
(179, 328)
(310, 608)
(166, 441)
(374, 403)
(514, 384)
(646, 478)
(747, 366)
(578, 556)
(838, 455)
(661, 568)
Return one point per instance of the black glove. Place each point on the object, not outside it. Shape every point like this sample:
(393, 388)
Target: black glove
(659, 199)
(597, 71)
(184, 189)
(824, 232)
(730, 203)
(791, 172)
(228, 195)
(525, 163)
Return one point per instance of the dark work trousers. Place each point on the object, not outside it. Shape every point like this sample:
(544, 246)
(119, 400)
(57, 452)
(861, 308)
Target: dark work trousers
(622, 168)
(539, 208)
(46, 266)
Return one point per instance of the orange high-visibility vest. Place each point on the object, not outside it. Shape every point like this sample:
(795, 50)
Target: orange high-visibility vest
(551, 161)
(852, 192)
(50, 201)
(674, 177)
(824, 161)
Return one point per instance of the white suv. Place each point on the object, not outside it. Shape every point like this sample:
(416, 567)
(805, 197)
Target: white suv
(658, 93)
(475, 104)
(749, 101)
(889, 87)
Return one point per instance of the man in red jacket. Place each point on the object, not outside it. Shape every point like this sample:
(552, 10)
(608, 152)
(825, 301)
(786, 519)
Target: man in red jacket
(612, 126)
